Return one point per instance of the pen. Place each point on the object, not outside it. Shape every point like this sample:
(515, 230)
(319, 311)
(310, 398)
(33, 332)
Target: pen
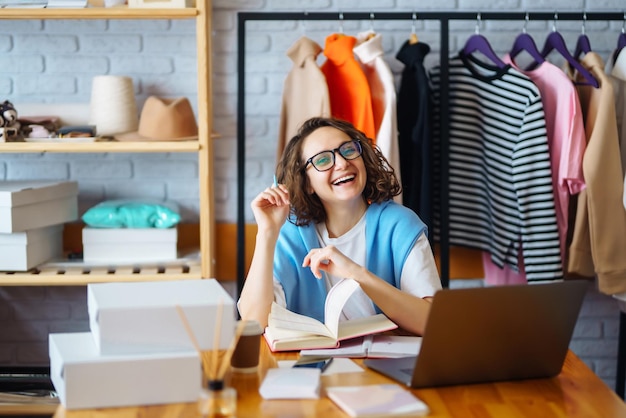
(275, 181)
(327, 363)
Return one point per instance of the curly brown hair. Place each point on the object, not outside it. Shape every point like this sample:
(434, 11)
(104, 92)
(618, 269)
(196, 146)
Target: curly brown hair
(381, 184)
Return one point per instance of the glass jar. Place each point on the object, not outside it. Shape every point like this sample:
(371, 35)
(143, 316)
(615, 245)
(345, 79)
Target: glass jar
(217, 400)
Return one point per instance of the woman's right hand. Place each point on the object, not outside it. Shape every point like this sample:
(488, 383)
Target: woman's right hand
(271, 208)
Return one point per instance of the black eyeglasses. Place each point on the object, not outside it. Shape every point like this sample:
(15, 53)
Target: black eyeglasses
(325, 160)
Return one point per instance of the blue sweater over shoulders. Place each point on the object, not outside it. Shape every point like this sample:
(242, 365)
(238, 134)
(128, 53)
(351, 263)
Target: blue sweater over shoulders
(391, 231)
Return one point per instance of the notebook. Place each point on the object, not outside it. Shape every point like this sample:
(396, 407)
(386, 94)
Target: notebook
(489, 334)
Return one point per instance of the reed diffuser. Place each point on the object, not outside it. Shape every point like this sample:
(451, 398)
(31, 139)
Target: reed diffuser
(216, 400)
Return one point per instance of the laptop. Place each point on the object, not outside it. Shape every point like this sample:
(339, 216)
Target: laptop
(25, 378)
(489, 334)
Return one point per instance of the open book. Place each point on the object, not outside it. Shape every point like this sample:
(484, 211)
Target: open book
(287, 331)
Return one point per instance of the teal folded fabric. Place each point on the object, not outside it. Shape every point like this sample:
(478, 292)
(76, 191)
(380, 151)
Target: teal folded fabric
(131, 214)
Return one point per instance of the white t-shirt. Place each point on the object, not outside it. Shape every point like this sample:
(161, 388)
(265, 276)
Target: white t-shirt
(419, 274)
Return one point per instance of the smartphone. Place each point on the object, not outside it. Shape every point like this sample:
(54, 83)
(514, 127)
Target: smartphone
(314, 362)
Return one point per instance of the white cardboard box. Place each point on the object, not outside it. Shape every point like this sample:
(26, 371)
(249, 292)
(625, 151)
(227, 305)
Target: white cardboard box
(83, 378)
(30, 204)
(129, 245)
(142, 317)
(21, 251)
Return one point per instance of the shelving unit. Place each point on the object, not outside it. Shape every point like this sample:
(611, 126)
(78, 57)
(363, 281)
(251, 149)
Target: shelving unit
(184, 269)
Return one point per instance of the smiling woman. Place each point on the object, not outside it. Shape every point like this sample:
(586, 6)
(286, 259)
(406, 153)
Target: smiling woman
(331, 216)
(316, 137)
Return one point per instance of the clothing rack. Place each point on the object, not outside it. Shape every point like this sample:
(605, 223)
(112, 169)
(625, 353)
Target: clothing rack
(444, 18)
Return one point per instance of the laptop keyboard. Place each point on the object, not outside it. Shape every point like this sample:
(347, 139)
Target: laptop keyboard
(25, 380)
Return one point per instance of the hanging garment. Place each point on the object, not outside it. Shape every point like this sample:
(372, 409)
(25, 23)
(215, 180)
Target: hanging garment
(618, 74)
(505, 275)
(414, 131)
(566, 142)
(500, 185)
(621, 44)
(599, 235)
(350, 97)
(369, 50)
(305, 92)
(617, 71)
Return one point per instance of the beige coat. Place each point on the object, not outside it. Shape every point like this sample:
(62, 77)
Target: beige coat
(599, 239)
(305, 92)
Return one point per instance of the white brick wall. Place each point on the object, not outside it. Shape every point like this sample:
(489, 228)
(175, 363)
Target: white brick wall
(55, 61)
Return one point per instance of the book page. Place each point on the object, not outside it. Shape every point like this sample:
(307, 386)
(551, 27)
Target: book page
(283, 318)
(363, 326)
(336, 299)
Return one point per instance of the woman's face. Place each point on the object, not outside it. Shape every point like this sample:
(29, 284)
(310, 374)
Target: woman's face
(345, 180)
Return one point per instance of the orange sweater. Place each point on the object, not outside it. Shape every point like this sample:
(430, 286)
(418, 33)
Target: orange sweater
(350, 97)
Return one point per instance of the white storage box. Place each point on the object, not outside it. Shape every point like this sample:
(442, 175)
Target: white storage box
(85, 379)
(142, 317)
(21, 251)
(34, 204)
(129, 245)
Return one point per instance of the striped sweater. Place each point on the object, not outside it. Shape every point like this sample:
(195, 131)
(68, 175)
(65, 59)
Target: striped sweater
(500, 192)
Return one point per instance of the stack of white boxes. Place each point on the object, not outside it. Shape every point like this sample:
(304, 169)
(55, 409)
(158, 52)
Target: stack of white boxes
(32, 214)
(138, 351)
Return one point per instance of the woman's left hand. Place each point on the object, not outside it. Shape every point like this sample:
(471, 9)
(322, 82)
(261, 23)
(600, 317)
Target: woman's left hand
(332, 261)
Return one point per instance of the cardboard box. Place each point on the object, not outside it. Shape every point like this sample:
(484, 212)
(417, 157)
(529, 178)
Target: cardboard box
(142, 317)
(83, 378)
(129, 245)
(21, 251)
(27, 204)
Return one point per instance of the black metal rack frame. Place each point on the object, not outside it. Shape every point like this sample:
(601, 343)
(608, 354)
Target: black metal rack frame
(444, 18)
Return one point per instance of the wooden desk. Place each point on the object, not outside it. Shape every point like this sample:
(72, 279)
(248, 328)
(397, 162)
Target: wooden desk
(576, 392)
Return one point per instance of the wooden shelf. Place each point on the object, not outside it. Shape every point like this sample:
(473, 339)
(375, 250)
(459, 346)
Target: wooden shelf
(122, 12)
(105, 146)
(78, 274)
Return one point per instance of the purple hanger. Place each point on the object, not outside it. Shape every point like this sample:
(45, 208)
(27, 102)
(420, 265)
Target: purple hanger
(621, 40)
(582, 46)
(525, 42)
(555, 41)
(479, 43)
